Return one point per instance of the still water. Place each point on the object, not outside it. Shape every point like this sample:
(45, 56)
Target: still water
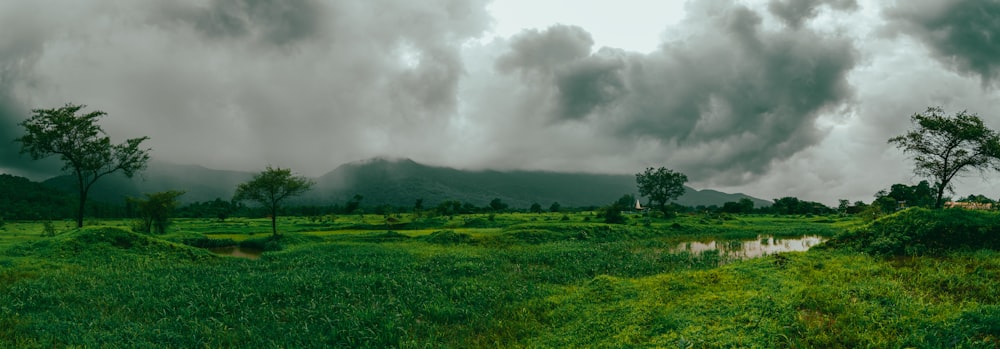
(746, 249)
(236, 251)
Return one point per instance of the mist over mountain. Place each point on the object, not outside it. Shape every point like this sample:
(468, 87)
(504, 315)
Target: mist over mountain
(199, 183)
(397, 182)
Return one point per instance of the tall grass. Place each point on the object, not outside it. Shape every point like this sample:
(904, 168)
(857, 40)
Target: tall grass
(524, 284)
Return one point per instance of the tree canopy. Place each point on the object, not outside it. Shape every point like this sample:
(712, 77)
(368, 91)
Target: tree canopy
(944, 147)
(270, 187)
(155, 210)
(82, 146)
(661, 185)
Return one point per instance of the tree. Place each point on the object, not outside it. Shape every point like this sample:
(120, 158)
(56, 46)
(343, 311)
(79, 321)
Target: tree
(418, 206)
(661, 185)
(920, 195)
(535, 208)
(790, 205)
(944, 147)
(448, 208)
(843, 206)
(155, 210)
(744, 205)
(497, 205)
(612, 214)
(353, 204)
(626, 202)
(555, 207)
(270, 187)
(82, 146)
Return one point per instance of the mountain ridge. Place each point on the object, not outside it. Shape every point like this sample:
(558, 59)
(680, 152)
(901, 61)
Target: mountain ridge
(399, 182)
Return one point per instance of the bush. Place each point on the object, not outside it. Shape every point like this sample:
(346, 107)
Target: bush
(447, 237)
(919, 231)
(206, 242)
(48, 229)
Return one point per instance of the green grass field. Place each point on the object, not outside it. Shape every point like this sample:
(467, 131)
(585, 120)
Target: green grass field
(516, 280)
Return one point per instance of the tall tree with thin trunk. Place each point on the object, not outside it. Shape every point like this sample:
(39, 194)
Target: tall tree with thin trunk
(270, 187)
(944, 147)
(82, 145)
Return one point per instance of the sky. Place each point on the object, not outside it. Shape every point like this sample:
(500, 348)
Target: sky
(771, 98)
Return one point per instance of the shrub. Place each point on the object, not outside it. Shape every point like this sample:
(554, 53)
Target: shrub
(919, 231)
(447, 237)
(206, 242)
(48, 229)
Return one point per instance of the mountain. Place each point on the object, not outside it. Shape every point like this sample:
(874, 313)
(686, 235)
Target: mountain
(397, 182)
(400, 182)
(20, 198)
(199, 183)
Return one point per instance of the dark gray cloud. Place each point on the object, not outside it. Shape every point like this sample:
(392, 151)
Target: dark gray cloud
(540, 52)
(272, 22)
(560, 57)
(20, 48)
(796, 12)
(726, 102)
(962, 34)
(770, 97)
(240, 83)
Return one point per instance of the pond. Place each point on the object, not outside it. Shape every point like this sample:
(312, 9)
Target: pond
(237, 251)
(746, 249)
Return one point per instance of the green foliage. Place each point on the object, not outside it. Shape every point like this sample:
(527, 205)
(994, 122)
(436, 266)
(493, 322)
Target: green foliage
(920, 231)
(613, 214)
(48, 229)
(542, 283)
(661, 185)
(920, 195)
(497, 205)
(270, 187)
(792, 205)
(447, 237)
(744, 205)
(81, 145)
(944, 147)
(155, 210)
(535, 208)
(22, 199)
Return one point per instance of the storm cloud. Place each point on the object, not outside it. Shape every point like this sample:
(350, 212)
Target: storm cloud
(795, 12)
(241, 83)
(961, 34)
(277, 23)
(724, 103)
(768, 97)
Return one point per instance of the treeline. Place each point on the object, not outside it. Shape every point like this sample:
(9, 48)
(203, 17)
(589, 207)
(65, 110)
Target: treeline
(22, 199)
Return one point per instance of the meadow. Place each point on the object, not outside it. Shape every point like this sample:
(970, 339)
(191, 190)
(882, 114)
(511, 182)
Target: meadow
(506, 280)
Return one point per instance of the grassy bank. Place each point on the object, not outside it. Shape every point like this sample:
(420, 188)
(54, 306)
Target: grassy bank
(523, 283)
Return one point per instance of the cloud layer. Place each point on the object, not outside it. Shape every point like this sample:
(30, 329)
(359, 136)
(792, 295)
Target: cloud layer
(769, 97)
(724, 103)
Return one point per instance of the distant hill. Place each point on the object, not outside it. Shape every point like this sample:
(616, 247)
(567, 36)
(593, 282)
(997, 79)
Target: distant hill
(401, 182)
(398, 182)
(199, 183)
(20, 198)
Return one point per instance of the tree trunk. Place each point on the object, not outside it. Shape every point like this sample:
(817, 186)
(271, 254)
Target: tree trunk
(79, 211)
(274, 224)
(940, 195)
